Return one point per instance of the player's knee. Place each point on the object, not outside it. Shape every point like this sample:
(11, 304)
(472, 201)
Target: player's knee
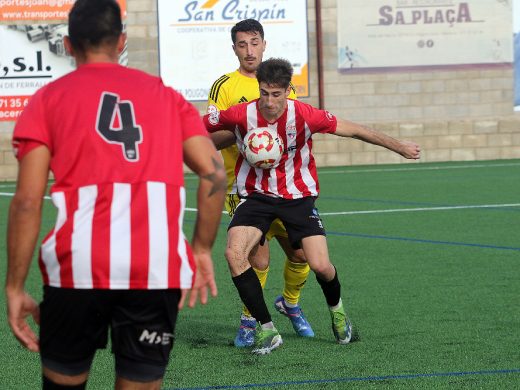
(259, 260)
(232, 255)
(324, 270)
(297, 257)
(48, 384)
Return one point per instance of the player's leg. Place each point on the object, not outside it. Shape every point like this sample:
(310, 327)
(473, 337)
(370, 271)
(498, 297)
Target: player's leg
(247, 228)
(249, 287)
(52, 380)
(315, 247)
(259, 260)
(73, 324)
(142, 332)
(124, 384)
(296, 271)
(305, 229)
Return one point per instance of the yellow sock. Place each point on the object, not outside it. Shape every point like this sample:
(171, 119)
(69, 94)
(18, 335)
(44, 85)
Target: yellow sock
(295, 276)
(262, 277)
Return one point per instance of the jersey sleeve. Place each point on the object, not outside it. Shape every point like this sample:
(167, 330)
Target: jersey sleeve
(319, 121)
(222, 120)
(31, 128)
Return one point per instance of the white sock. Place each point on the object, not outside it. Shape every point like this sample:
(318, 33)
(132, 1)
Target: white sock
(291, 305)
(338, 306)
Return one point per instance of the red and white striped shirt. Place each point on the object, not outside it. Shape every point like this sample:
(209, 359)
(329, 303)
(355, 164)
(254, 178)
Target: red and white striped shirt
(115, 136)
(296, 175)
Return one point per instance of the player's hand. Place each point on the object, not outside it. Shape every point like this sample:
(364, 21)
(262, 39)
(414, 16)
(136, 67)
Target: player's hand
(204, 279)
(21, 305)
(410, 150)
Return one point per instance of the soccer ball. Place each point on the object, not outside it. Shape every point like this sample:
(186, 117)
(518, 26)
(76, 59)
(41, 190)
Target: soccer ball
(262, 148)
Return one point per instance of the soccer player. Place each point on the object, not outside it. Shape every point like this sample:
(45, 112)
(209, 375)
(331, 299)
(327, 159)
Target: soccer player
(231, 89)
(116, 261)
(287, 192)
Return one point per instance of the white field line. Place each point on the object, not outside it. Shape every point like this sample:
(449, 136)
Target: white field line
(419, 168)
(401, 169)
(481, 206)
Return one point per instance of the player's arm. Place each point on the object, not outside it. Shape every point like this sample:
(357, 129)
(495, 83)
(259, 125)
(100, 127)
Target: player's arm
(407, 149)
(223, 139)
(22, 233)
(217, 122)
(202, 158)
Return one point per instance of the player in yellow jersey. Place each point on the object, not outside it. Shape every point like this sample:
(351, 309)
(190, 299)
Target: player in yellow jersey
(234, 88)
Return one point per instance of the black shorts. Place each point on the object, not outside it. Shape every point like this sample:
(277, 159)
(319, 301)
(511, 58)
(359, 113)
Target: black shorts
(74, 323)
(299, 216)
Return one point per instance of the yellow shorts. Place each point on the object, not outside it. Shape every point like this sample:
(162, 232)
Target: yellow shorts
(277, 228)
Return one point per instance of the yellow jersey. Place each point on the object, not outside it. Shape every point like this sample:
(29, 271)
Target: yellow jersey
(229, 90)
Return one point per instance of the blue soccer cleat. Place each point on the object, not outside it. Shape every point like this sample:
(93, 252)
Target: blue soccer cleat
(295, 314)
(246, 333)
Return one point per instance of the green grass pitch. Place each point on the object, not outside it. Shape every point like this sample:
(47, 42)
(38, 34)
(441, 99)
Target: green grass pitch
(429, 260)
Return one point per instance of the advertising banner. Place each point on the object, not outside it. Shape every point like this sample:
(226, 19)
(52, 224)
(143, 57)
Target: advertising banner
(26, 11)
(32, 53)
(404, 33)
(195, 45)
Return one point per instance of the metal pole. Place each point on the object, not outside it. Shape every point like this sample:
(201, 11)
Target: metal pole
(319, 50)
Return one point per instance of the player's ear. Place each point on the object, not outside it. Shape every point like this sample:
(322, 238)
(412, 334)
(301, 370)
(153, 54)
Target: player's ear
(68, 46)
(121, 42)
(288, 91)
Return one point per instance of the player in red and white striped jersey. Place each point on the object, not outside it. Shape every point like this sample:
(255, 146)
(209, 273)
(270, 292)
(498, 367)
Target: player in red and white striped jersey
(287, 192)
(115, 140)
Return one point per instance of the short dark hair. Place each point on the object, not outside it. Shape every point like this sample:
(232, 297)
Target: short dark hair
(94, 23)
(247, 25)
(275, 72)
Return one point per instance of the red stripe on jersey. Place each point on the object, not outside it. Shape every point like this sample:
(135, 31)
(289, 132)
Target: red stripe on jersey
(300, 140)
(64, 241)
(101, 237)
(312, 169)
(41, 264)
(264, 182)
(140, 251)
(173, 205)
(250, 180)
(45, 275)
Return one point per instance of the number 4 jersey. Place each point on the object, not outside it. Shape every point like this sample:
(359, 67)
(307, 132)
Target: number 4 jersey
(115, 135)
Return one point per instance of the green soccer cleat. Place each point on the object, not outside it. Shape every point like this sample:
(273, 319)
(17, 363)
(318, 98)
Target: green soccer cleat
(266, 340)
(341, 326)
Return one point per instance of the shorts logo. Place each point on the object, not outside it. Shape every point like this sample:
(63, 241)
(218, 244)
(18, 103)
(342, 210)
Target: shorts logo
(155, 337)
(316, 216)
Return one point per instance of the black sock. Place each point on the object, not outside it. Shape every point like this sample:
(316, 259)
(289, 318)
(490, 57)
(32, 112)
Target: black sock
(331, 290)
(47, 384)
(250, 291)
